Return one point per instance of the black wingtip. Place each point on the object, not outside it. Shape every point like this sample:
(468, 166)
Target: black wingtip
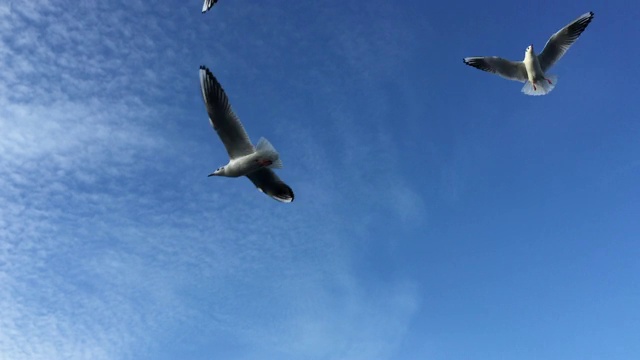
(591, 15)
(470, 62)
(587, 19)
(581, 23)
(208, 72)
(284, 194)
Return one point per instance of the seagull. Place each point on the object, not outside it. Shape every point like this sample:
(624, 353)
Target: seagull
(245, 160)
(532, 69)
(208, 4)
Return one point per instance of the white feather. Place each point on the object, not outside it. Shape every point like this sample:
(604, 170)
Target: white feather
(542, 87)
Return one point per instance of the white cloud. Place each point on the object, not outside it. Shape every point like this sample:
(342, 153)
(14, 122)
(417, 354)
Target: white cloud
(109, 239)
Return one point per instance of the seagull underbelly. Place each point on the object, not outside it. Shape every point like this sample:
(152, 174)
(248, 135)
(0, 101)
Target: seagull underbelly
(249, 163)
(534, 72)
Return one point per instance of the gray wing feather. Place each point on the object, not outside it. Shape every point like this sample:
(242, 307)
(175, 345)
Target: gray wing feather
(561, 41)
(269, 183)
(208, 4)
(222, 117)
(512, 70)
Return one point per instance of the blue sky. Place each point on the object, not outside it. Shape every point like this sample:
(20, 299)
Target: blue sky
(439, 213)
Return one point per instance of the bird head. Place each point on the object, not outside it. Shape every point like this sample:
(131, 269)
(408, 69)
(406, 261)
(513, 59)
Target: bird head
(529, 49)
(219, 172)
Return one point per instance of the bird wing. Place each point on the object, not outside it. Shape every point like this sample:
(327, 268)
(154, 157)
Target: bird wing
(222, 117)
(561, 41)
(208, 4)
(269, 183)
(512, 70)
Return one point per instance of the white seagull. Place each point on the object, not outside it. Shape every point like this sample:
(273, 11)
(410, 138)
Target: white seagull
(532, 69)
(245, 160)
(208, 4)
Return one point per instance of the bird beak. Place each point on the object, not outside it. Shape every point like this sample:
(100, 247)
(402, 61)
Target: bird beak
(210, 174)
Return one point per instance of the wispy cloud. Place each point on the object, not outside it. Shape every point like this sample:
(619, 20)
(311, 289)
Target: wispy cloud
(111, 237)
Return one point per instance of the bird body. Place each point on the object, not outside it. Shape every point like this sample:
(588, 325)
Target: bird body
(538, 83)
(532, 65)
(263, 157)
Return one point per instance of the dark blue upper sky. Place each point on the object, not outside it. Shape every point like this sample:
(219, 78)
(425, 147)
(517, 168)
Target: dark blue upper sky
(439, 213)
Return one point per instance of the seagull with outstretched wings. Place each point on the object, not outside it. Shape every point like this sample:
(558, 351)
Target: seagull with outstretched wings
(244, 160)
(532, 70)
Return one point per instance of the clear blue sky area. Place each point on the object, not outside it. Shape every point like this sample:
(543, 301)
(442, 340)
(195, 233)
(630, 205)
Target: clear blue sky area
(440, 213)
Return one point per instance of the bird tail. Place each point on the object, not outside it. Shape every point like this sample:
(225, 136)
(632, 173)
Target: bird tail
(265, 149)
(542, 87)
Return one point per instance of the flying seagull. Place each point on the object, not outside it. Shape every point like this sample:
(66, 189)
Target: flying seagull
(245, 160)
(532, 69)
(208, 4)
